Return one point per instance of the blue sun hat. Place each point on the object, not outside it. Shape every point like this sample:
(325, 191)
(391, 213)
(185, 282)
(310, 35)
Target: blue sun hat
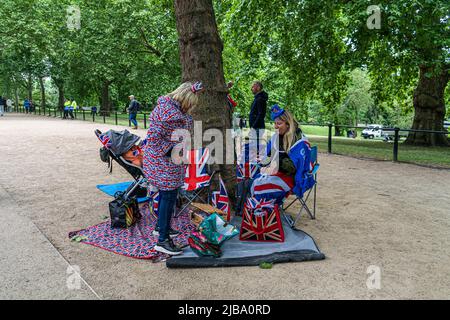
(276, 111)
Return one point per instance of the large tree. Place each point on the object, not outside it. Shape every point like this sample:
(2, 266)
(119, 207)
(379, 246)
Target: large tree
(201, 59)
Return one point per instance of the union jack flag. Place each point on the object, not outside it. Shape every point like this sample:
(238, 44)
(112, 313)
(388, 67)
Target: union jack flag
(196, 173)
(247, 171)
(246, 166)
(104, 139)
(261, 221)
(221, 201)
(154, 197)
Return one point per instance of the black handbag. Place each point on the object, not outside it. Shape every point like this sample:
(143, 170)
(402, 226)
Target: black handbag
(124, 212)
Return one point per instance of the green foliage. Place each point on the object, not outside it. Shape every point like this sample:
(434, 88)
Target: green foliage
(319, 60)
(132, 45)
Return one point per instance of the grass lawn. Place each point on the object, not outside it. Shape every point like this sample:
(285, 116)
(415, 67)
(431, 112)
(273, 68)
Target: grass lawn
(377, 149)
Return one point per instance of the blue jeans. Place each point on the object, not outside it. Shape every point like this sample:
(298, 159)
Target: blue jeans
(133, 119)
(167, 202)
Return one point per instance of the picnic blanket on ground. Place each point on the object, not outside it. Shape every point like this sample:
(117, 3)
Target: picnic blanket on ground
(137, 241)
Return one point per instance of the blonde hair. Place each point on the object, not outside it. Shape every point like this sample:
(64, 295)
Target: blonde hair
(184, 95)
(289, 136)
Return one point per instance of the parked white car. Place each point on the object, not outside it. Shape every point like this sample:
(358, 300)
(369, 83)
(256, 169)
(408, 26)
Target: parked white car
(373, 131)
(447, 124)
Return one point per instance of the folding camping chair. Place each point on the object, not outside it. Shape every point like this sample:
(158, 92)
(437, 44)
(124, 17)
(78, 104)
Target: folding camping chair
(303, 201)
(198, 178)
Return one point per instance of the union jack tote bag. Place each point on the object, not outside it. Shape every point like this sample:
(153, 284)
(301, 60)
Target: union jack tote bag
(261, 221)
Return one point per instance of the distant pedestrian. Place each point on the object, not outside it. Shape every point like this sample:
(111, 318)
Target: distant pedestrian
(67, 105)
(2, 106)
(133, 110)
(27, 105)
(9, 104)
(73, 106)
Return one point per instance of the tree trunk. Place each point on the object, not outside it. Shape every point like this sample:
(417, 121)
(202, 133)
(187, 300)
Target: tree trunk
(41, 83)
(30, 87)
(429, 108)
(8, 86)
(16, 96)
(61, 99)
(201, 59)
(105, 105)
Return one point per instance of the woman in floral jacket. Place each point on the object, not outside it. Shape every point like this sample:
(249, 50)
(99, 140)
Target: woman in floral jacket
(170, 114)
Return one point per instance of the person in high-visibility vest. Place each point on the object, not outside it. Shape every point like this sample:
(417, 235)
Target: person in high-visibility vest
(73, 106)
(67, 105)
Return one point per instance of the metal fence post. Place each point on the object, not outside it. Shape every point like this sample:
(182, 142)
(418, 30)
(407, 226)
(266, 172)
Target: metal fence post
(84, 115)
(396, 139)
(330, 136)
(104, 117)
(145, 121)
(93, 116)
(115, 116)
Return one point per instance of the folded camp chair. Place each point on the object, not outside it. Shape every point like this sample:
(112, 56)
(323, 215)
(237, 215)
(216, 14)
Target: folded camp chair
(303, 201)
(198, 178)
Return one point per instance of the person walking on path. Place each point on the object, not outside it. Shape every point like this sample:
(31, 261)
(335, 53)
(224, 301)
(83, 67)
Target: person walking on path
(258, 113)
(133, 110)
(170, 115)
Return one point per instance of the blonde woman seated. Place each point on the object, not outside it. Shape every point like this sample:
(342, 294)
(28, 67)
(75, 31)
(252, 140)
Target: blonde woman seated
(287, 162)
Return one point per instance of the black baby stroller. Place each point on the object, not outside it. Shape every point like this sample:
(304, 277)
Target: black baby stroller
(126, 149)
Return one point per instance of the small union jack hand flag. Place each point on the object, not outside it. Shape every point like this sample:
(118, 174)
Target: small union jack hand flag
(220, 199)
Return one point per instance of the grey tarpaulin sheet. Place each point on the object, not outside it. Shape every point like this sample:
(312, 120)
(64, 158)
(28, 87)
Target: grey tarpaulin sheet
(298, 246)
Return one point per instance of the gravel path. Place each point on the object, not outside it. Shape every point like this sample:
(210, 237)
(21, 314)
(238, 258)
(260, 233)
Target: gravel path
(370, 213)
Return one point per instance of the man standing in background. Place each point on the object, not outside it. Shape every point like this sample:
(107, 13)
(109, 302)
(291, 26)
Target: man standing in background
(67, 106)
(258, 113)
(73, 106)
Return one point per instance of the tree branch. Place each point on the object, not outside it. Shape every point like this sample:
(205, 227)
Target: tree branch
(150, 49)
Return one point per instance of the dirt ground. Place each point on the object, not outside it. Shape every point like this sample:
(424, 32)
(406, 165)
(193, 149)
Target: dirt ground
(370, 213)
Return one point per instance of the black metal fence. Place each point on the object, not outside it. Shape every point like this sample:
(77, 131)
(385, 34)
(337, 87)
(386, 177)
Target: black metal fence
(396, 134)
(113, 117)
(119, 118)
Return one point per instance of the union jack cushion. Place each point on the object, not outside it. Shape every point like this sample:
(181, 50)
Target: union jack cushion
(261, 221)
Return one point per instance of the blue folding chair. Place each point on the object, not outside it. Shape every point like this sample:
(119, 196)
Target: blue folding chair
(303, 200)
